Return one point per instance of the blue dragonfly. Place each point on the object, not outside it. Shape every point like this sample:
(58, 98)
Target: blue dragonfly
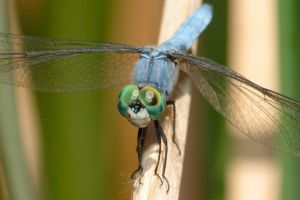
(150, 74)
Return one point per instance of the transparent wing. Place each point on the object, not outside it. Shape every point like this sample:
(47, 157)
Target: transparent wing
(64, 66)
(264, 115)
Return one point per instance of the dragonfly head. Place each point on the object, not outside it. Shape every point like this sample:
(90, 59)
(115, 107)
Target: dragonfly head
(141, 105)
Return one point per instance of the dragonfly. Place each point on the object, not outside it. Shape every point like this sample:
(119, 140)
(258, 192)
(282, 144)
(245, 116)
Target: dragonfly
(149, 75)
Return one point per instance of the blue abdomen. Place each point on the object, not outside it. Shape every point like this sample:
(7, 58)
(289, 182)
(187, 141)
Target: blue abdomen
(155, 68)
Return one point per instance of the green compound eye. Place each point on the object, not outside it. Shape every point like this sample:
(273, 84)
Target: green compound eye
(154, 101)
(127, 95)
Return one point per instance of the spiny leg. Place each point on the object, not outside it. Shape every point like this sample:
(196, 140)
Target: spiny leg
(139, 150)
(161, 135)
(158, 137)
(172, 103)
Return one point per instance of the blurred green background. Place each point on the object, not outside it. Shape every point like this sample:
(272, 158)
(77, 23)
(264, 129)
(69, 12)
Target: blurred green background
(289, 31)
(86, 149)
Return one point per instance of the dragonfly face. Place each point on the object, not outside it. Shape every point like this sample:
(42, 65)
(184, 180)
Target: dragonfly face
(141, 105)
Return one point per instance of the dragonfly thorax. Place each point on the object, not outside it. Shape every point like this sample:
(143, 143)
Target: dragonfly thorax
(141, 105)
(157, 69)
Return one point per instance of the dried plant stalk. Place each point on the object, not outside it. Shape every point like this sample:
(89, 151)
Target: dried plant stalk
(149, 186)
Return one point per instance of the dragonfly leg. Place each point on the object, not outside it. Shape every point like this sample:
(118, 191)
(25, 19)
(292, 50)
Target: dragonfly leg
(161, 135)
(158, 137)
(172, 103)
(139, 150)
